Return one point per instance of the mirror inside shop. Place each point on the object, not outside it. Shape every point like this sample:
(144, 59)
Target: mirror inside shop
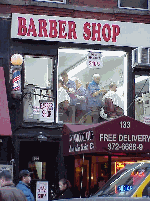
(90, 84)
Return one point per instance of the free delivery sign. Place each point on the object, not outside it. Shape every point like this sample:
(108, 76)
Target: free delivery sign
(91, 31)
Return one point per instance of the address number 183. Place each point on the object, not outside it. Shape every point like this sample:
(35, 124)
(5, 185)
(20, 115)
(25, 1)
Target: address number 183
(125, 124)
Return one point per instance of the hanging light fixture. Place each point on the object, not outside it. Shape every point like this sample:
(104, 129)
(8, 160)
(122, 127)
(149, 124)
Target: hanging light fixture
(16, 61)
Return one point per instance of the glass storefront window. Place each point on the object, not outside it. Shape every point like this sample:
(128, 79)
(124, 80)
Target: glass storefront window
(125, 182)
(92, 172)
(38, 104)
(142, 98)
(91, 85)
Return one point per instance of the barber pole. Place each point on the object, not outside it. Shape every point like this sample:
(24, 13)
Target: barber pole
(16, 80)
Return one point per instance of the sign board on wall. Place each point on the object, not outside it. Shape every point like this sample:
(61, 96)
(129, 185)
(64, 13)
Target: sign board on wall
(91, 31)
(123, 134)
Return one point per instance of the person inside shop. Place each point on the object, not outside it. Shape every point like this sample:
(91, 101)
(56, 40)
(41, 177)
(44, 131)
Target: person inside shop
(80, 98)
(67, 83)
(63, 102)
(100, 183)
(113, 103)
(64, 191)
(24, 184)
(70, 86)
(8, 191)
(94, 95)
(63, 97)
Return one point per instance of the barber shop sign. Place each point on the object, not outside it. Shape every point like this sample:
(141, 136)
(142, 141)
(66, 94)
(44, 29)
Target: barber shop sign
(66, 29)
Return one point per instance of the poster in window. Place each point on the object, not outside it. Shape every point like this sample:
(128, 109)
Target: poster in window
(46, 111)
(94, 60)
(42, 190)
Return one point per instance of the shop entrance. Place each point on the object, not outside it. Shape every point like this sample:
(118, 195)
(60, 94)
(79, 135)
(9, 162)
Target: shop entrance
(41, 159)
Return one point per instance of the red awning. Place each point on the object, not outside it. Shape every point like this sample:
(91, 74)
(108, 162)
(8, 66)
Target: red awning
(5, 125)
(123, 134)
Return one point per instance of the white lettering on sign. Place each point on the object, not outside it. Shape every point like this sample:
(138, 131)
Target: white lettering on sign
(81, 147)
(91, 145)
(67, 29)
(125, 124)
(125, 142)
(124, 138)
(81, 137)
(125, 146)
(71, 149)
(35, 158)
(134, 138)
(84, 147)
(108, 137)
(81, 141)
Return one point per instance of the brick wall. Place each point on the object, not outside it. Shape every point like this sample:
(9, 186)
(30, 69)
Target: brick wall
(62, 12)
(5, 9)
(95, 3)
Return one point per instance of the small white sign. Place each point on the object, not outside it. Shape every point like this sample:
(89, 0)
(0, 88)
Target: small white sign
(94, 60)
(46, 111)
(42, 190)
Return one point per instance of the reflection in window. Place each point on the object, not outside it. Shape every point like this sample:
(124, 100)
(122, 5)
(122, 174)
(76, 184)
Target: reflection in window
(142, 99)
(126, 181)
(38, 104)
(146, 191)
(143, 4)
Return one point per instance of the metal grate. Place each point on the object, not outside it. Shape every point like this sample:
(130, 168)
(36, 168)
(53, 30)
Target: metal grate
(145, 55)
(141, 56)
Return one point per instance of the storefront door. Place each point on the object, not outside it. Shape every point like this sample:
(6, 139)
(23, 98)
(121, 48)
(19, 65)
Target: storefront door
(40, 158)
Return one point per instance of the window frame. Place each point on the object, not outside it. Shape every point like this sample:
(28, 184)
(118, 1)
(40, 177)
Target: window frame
(47, 88)
(119, 6)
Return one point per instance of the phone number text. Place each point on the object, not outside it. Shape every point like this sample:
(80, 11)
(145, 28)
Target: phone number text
(125, 146)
